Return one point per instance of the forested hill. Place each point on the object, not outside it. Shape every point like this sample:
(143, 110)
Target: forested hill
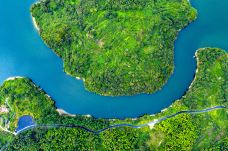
(118, 47)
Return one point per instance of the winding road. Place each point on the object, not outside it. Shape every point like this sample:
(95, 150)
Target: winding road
(150, 124)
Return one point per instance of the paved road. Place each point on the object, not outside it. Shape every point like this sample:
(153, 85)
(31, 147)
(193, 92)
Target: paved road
(150, 124)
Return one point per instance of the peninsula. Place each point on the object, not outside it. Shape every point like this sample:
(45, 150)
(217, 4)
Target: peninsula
(117, 47)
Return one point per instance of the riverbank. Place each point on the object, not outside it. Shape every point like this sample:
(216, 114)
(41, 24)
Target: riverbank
(13, 78)
(78, 78)
(35, 24)
(142, 130)
(150, 124)
(197, 66)
(63, 112)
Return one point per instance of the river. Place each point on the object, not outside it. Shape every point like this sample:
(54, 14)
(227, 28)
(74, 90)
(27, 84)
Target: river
(23, 53)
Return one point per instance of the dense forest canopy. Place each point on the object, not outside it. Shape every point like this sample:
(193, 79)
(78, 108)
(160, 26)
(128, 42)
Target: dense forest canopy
(118, 47)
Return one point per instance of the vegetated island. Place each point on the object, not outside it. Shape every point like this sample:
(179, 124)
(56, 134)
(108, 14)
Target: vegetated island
(204, 131)
(117, 47)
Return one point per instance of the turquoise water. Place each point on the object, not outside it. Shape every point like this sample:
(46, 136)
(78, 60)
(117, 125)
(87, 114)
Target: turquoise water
(22, 53)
